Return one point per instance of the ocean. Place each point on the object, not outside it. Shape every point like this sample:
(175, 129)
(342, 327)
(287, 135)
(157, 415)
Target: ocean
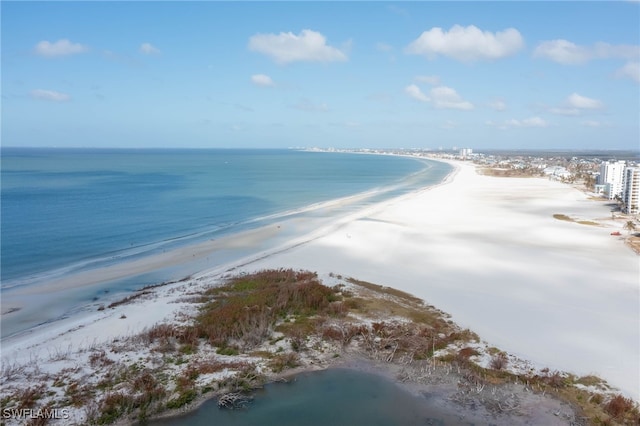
(68, 211)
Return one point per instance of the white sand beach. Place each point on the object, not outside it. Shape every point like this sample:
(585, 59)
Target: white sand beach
(486, 250)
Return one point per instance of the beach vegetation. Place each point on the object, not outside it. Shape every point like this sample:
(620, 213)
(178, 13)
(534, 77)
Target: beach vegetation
(621, 408)
(129, 299)
(99, 359)
(509, 170)
(271, 321)
(27, 398)
(464, 355)
(247, 308)
(246, 379)
(499, 361)
(588, 222)
(629, 226)
(227, 350)
(566, 218)
(387, 290)
(77, 394)
(188, 349)
(284, 361)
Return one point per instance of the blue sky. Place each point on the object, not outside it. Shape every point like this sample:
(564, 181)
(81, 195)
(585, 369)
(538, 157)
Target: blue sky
(563, 75)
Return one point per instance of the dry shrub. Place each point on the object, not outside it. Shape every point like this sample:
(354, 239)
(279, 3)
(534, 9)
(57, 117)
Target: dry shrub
(187, 379)
(113, 406)
(337, 309)
(168, 337)
(332, 333)
(208, 366)
(245, 380)
(248, 306)
(343, 333)
(213, 366)
(28, 397)
(378, 328)
(620, 407)
(77, 394)
(297, 339)
(38, 421)
(555, 380)
(463, 355)
(160, 332)
(144, 382)
(499, 361)
(99, 359)
(284, 361)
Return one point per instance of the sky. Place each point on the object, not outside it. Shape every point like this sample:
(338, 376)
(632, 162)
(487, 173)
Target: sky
(431, 75)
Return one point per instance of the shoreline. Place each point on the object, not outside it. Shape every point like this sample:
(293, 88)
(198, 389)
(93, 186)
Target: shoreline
(450, 391)
(437, 393)
(94, 287)
(430, 244)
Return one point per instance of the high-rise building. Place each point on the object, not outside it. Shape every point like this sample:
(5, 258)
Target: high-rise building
(465, 152)
(631, 190)
(612, 175)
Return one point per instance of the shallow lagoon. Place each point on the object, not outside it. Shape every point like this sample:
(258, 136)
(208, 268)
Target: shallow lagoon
(331, 397)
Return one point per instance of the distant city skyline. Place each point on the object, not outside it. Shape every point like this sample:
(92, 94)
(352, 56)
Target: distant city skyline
(430, 75)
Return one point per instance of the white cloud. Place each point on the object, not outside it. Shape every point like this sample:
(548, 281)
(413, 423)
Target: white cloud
(308, 46)
(467, 43)
(149, 49)
(447, 98)
(562, 51)
(433, 80)
(498, 105)
(582, 102)
(569, 53)
(414, 92)
(442, 97)
(527, 122)
(262, 80)
(630, 70)
(61, 47)
(49, 95)
(575, 104)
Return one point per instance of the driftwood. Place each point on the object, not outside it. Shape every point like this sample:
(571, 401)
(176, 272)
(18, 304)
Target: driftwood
(232, 400)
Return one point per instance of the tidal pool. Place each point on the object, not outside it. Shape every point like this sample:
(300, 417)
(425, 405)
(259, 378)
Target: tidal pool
(334, 397)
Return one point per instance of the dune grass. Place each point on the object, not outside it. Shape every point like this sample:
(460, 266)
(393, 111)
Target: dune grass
(274, 320)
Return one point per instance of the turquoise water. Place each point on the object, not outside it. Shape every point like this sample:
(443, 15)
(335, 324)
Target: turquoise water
(333, 397)
(65, 211)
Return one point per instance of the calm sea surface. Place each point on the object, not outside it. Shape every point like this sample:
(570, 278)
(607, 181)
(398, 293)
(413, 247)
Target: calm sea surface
(70, 210)
(338, 397)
